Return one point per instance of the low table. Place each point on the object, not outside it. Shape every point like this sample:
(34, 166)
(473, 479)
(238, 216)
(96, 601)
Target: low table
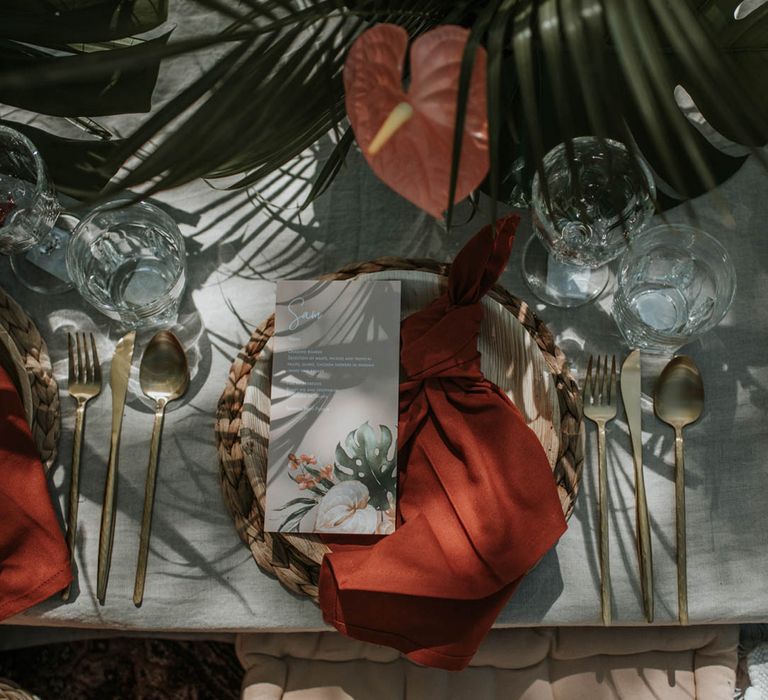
(202, 579)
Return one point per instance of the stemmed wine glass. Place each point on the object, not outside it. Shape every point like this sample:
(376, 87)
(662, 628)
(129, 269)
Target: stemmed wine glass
(596, 198)
(29, 211)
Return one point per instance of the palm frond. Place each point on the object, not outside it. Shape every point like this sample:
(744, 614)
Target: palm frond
(331, 167)
(611, 69)
(556, 69)
(479, 28)
(497, 38)
(294, 71)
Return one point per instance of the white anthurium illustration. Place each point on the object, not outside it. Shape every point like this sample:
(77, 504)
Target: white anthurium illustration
(345, 508)
(386, 518)
(364, 459)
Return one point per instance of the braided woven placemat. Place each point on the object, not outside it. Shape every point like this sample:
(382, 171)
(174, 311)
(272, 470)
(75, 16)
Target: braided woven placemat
(11, 691)
(294, 559)
(13, 364)
(45, 391)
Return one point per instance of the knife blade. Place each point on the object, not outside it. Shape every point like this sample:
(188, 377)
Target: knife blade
(630, 392)
(119, 372)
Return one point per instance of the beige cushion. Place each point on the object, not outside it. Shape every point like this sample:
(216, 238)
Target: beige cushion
(541, 664)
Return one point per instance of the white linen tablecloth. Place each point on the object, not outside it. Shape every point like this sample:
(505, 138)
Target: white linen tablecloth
(201, 578)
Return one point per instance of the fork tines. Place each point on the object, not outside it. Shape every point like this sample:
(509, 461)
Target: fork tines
(84, 367)
(598, 390)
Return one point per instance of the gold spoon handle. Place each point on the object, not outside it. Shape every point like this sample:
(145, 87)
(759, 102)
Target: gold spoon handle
(682, 574)
(74, 490)
(605, 571)
(149, 499)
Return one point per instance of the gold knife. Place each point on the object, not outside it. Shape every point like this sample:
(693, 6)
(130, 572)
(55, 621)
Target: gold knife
(630, 394)
(119, 373)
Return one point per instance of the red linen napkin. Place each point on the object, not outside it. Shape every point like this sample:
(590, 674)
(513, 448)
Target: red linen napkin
(34, 560)
(477, 502)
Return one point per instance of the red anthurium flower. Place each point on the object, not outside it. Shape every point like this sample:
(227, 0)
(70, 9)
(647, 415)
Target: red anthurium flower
(407, 137)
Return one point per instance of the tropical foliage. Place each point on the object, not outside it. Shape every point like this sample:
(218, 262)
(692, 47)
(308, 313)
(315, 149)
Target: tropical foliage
(355, 491)
(556, 69)
(367, 457)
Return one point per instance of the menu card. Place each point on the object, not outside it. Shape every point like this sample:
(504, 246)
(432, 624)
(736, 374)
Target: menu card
(332, 458)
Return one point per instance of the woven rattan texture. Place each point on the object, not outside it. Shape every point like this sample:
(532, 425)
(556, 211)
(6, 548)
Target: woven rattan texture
(45, 391)
(294, 559)
(11, 691)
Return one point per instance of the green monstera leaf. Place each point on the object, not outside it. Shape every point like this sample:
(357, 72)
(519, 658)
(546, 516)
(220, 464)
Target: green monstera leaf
(365, 457)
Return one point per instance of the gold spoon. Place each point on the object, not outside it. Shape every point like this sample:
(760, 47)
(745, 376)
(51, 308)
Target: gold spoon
(678, 399)
(164, 377)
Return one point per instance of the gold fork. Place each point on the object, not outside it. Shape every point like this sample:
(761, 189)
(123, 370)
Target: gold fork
(600, 407)
(84, 384)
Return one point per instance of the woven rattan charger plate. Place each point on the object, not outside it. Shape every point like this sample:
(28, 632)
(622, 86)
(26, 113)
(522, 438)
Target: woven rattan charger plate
(39, 376)
(519, 354)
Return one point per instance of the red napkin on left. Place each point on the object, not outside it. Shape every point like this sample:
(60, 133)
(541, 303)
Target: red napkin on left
(34, 561)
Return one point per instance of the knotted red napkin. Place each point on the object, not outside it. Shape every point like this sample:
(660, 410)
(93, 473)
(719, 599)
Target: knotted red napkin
(477, 502)
(34, 560)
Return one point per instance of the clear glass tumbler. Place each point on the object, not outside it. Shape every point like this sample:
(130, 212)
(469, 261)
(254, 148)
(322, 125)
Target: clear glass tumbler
(675, 283)
(128, 261)
(597, 201)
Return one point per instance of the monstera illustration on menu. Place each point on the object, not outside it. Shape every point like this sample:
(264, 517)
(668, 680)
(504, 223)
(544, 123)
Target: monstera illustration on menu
(355, 493)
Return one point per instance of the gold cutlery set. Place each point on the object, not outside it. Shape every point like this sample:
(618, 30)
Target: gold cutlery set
(678, 401)
(164, 377)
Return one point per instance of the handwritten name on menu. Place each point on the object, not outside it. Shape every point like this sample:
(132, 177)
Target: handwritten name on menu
(332, 459)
